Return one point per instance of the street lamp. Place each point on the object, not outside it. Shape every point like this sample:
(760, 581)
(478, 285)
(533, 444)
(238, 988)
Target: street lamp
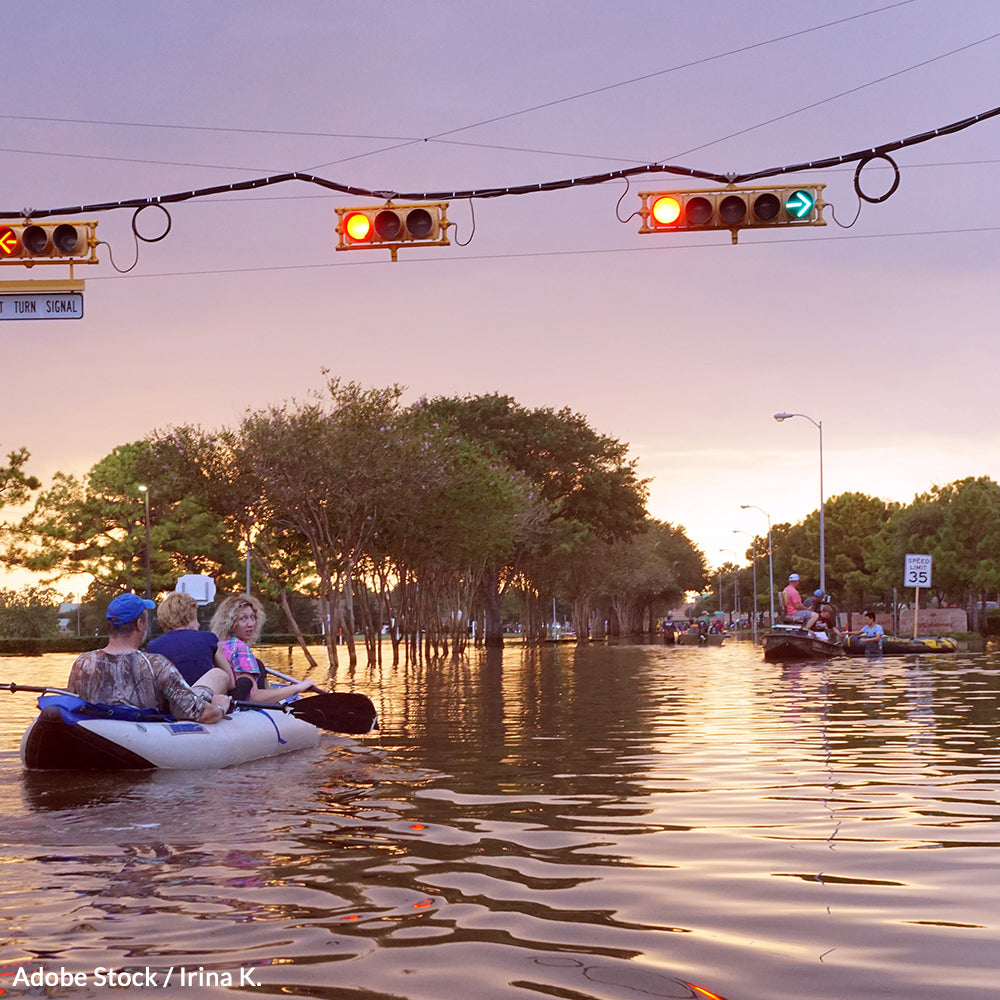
(770, 558)
(753, 552)
(736, 585)
(144, 490)
(822, 540)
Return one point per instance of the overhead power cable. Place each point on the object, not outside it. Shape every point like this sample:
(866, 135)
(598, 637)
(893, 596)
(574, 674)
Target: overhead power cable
(463, 128)
(589, 252)
(860, 156)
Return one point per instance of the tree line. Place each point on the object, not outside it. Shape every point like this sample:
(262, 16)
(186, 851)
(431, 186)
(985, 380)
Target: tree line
(365, 517)
(867, 540)
(406, 522)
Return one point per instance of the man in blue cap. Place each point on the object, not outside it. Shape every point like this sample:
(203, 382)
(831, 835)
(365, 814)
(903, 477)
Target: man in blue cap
(121, 674)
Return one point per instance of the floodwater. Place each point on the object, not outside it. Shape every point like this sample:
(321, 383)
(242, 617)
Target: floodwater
(612, 822)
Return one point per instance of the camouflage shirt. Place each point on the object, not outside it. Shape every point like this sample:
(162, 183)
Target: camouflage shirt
(133, 678)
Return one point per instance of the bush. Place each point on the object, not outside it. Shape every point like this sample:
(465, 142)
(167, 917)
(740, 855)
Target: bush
(29, 613)
(58, 644)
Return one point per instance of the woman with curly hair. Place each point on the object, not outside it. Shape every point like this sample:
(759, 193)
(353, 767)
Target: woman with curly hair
(238, 622)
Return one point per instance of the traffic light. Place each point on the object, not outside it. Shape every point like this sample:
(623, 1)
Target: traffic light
(30, 243)
(392, 226)
(732, 208)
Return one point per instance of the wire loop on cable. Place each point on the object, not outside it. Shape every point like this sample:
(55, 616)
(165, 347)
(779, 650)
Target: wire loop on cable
(150, 239)
(864, 163)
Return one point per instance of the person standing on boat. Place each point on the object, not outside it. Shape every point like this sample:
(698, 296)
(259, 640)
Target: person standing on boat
(794, 608)
(871, 634)
(121, 674)
(194, 653)
(238, 622)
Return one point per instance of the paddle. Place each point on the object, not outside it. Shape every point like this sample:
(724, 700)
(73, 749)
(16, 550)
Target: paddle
(337, 712)
(278, 673)
(355, 708)
(13, 688)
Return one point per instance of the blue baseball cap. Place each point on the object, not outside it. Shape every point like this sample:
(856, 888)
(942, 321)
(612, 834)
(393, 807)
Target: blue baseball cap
(126, 608)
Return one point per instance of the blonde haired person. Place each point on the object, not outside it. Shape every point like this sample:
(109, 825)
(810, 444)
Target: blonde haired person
(121, 674)
(238, 622)
(193, 652)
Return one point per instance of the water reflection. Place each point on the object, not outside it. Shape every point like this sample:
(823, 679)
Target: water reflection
(596, 822)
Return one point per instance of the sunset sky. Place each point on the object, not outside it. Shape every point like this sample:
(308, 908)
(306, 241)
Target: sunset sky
(682, 345)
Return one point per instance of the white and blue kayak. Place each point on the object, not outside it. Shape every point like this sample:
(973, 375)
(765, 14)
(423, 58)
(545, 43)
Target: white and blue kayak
(71, 734)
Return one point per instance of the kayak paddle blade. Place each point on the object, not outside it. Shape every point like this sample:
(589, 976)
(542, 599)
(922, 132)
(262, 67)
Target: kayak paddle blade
(337, 712)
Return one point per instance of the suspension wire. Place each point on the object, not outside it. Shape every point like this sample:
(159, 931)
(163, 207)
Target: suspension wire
(859, 156)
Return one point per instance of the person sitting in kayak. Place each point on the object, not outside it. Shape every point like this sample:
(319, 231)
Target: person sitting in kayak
(238, 622)
(194, 653)
(121, 674)
(795, 610)
(871, 635)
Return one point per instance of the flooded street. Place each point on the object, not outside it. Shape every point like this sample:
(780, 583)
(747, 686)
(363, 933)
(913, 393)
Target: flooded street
(603, 822)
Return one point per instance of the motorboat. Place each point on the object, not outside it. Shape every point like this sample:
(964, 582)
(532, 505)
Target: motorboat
(791, 643)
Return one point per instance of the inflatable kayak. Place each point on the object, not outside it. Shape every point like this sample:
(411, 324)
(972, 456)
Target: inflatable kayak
(895, 646)
(72, 734)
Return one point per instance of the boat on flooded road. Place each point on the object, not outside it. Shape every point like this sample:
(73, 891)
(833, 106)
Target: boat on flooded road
(792, 643)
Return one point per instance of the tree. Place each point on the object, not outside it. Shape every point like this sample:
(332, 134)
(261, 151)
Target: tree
(657, 564)
(15, 486)
(96, 525)
(467, 511)
(213, 465)
(583, 477)
(855, 523)
(959, 526)
(28, 613)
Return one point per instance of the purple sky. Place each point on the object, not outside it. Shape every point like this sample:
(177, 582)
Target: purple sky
(681, 344)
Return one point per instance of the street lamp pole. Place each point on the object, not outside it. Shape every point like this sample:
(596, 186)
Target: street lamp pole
(144, 490)
(736, 584)
(770, 558)
(822, 538)
(753, 553)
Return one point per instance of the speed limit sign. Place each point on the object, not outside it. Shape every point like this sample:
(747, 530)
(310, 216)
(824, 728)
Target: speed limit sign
(918, 571)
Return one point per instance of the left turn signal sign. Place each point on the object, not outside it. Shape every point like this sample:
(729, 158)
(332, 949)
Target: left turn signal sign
(31, 243)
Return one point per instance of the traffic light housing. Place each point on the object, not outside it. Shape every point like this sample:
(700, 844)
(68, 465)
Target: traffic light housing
(391, 226)
(29, 243)
(732, 208)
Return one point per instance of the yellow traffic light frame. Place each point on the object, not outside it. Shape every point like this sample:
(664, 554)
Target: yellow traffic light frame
(87, 255)
(716, 195)
(438, 209)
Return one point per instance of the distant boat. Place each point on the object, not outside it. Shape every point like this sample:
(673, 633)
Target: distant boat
(695, 638)
(791, 643)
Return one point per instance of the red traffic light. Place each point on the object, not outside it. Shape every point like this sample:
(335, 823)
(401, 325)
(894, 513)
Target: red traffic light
(665, 210)
(732, 208)
(31, 243)
(357, 226)
(392, 226)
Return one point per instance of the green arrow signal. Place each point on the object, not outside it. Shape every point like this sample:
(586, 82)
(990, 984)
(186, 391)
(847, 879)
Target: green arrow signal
(800, 204)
